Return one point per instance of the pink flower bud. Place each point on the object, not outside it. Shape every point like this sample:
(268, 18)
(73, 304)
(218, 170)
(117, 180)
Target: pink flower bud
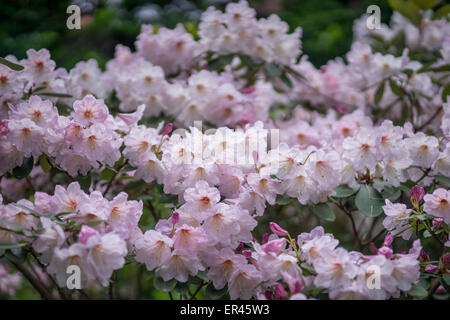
(247, 253)
(297, 287)
(388, 240)
(340, 109)
(417, 193)
(269, 295)
(274, 246)
(431, 268)
(265, 238)
(386, 251)
(446, 258)
(279, 231)
(441, 290)
(4, 127)
(373, 249)
(85, 233)
(240, 247)
(437, 221)
(280, 292)
(424, 256)
(175, 217)
(249, 90)
(168, 129)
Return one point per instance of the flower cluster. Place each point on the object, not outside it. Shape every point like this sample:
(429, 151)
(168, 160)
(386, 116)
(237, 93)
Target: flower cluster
(365, 137)
(58, 228)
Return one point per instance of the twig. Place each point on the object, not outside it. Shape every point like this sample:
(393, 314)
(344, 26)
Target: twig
(430, 119)
(40, 288)
(198, 290)
(114, 177)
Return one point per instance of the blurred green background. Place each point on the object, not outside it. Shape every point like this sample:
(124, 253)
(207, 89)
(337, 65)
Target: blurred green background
(24, 24)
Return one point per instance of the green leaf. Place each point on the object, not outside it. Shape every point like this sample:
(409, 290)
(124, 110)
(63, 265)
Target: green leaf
(425, 4)
(442, 12)
(213, 293)
(108, 174)
(283, 200)
(45, 165)
(369, 201)
(343, 191)
(55, 95)
(11, 65)
(286, 80)
(93, 223)
(17, 258)
(164, 286)
(418, 291)
(379, 93)
(5, 246)
(85, 182)
(219, 63)
(31, 211)
(446, 93)
(272, 70)
(323, 210)
(444, 68)
(446, 278)
(408, 9)
(395, 88)
(182, 288)
(24, 170)
(443, 179)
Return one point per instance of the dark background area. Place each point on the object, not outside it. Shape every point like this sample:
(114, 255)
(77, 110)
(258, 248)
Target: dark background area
(24, 24)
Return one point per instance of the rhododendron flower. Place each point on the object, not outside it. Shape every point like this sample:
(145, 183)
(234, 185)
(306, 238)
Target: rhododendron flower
(438, 204)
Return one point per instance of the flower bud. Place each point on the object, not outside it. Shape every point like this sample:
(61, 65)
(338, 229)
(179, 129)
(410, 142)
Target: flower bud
(265, 238)
(240, 247)
(280, 292)
(386, 251)
(373, 249)
(431, 268)
(424, 256)
(274, 246)
(168, 129)
(249, 90)
(388, 240)
(247, 253)
(85, 233)
(441, 290)
(417, 193)
(437, 221)
(175, 217)
(446, 259)
(279, 231)
(4, 127)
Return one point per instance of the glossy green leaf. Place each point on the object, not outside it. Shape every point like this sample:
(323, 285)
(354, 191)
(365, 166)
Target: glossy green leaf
(343, 191)
(418, 291)
(5, 246)
(379, 93)
(11, 65)
(323, 211)
(45, 165)
(24, 170)
(446, 93)
(213, 293)
(164, 286)
(442, 12)
(369, 201)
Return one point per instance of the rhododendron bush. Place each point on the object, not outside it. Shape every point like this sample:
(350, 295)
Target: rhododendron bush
(225, 165)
